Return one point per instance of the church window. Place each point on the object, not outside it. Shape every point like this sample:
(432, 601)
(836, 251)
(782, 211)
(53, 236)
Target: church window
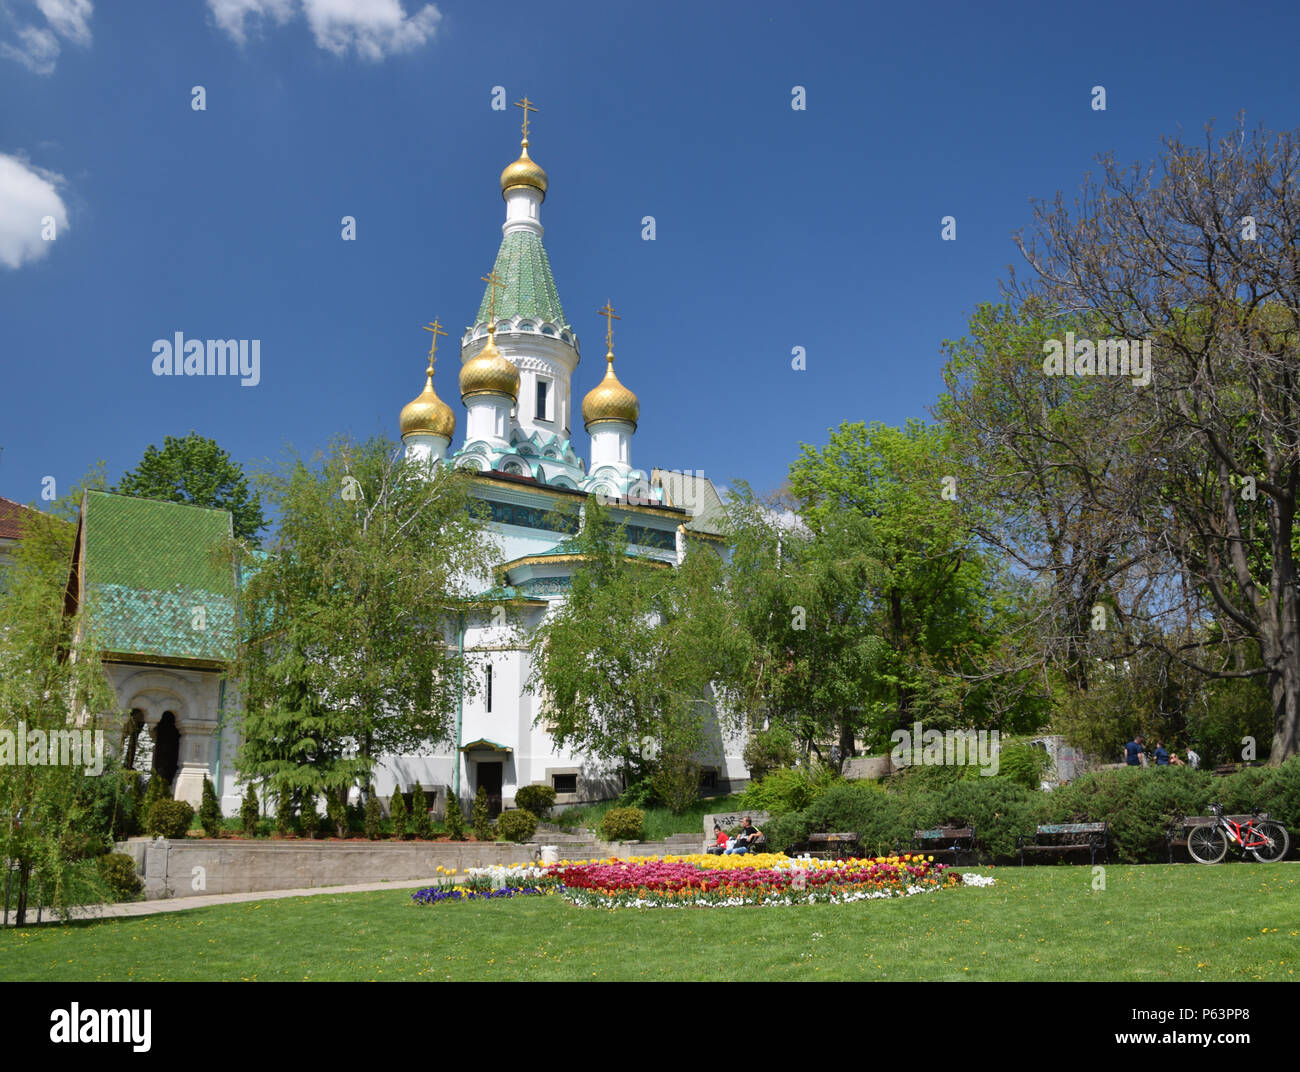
(487, 684)
(543, 391)
(565, 783)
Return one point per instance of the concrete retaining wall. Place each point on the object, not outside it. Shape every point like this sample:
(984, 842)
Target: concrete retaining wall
(189, 867)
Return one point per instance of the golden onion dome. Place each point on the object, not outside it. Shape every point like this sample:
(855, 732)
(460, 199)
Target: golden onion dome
(428, 414)
(609, 400)
(523, 172)
(488, 372)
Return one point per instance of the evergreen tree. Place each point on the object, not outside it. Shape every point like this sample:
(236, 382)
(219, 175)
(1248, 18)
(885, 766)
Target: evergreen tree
(157, 790)
(374, 831)
(482, 816)
(286, 819)
(210, 810)
(455, 821)
(397, 813)
(420, 813)
(248, 812)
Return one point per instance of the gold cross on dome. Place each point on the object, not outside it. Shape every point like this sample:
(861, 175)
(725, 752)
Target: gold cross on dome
(436, 328)
(493, 280)
(527, 106)
(610, 316)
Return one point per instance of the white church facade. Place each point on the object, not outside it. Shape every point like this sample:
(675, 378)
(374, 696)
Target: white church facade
(519, 383)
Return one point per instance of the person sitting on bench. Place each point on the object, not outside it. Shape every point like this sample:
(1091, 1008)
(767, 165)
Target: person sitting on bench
(749, 833)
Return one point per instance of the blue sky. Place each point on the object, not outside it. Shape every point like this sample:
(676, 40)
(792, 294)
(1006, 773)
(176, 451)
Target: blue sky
(775, 228)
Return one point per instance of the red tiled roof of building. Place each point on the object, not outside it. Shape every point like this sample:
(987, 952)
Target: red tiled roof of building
(13, 517)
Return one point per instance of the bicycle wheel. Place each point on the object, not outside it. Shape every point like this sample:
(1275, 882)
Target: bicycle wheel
(1276, 833)
(1207, 844)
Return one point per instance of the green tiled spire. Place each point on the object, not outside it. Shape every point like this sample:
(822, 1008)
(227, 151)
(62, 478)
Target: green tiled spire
(155, 584)
(530, 287)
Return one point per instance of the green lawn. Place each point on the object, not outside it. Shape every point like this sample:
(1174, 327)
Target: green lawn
(1232, 922)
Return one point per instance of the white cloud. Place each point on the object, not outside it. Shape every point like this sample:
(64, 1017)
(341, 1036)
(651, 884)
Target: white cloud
(373, 29)
(38, 47)
(28, 194)
(69, 18)
(230, 14)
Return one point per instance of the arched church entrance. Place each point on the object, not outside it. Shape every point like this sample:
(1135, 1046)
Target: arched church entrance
(167, 748)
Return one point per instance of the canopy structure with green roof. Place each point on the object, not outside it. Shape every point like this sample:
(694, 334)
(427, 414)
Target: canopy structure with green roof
(152, 577)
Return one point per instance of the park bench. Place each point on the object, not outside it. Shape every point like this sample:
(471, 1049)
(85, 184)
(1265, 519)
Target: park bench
(1060, 838)
(943, 841)
(832, 846)
(1177, 831)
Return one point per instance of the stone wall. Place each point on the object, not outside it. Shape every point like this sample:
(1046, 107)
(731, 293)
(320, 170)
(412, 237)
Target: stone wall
(190, 867)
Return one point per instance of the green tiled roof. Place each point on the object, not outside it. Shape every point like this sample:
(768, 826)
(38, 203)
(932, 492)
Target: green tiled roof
(152, 581)
(529, 286)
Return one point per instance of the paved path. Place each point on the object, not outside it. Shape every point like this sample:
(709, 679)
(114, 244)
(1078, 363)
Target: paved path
(183, 904)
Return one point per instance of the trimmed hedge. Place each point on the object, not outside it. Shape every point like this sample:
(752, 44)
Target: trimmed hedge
(168, 818)
(622, 824)
(535, 798)
(518, 825)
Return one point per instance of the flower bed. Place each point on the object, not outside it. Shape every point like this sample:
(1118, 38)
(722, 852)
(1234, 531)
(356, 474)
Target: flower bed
(768, 879)
(702, 881)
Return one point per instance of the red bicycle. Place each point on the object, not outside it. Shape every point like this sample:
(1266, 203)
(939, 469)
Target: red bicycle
(1266, 840)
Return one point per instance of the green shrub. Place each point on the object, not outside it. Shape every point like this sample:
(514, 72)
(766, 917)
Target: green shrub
(1243, 791)
(1023, 764)
(768, 750)
(336, 814)
(455, 821)
(622, 824)
(168, 818)
(210, 810)
(248, 813)
(877, 818)
(355, 815)
(374, 817)
(518, 825)
(313, 823)
(676, 781)
(788, 790)
(1000, 809)
(1282, 794)
(397, 814)
(118, 873)
(535, 798)
(286, 822)
(108, 803)
(1137, 802)
(784, 832)
(157, 790)
(640, 794)
(482, 816)
(136, 787)
(423, 826)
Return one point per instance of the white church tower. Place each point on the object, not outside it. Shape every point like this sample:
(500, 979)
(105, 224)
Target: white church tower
(525, 327)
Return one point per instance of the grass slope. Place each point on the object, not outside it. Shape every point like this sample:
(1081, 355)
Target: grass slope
(1233, 922)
